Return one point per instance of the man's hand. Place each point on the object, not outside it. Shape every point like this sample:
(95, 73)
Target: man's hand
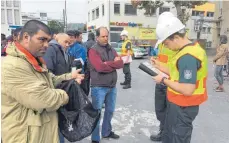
(66, 102)
(155, 62)
(117, 59)
(77, 76)
(158, 78)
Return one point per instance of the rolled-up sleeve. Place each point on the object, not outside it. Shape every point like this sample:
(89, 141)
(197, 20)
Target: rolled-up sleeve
(128, 46)
(188, 66)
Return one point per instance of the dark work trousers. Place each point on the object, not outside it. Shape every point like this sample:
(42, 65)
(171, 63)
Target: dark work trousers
(160, 103)
(126, 71)
(178, 123)
(85, 85)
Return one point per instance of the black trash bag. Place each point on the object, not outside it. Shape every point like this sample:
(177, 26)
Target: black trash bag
(78, 118)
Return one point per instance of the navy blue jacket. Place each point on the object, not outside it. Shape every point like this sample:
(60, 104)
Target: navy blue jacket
(55, 59)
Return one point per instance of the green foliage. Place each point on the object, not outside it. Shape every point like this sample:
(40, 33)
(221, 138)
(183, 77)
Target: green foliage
(85, 27)
(56, 26)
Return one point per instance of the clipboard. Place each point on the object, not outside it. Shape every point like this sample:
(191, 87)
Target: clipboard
(124, 59)
(150, 69)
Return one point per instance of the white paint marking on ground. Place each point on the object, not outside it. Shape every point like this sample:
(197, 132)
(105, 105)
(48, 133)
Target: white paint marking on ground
(145, 131)
(126, 120)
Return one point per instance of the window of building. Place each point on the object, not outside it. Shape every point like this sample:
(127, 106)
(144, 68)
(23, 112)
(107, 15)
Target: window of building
(209, 44)
(9, 16)
(197, 13)
(103, 10)
(16, 17)
(3, 21)
(43, 14)
(24, 17)
(97, 13)
(130, 10)
(201, 13)
(116, 28)
(204, 29)
(152, 11)
(24, 22)
(2, 3)
(16, 3)
(93, 14)
(116, 8)
(209, 29)
(88, 16)
(114, 37)
(210, 14)
(193, 13)
(163, 9)
(9, 3)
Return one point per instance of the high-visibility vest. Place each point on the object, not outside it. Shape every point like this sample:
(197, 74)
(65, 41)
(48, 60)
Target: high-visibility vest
(164, 54)
(124, 50)
(200, 93)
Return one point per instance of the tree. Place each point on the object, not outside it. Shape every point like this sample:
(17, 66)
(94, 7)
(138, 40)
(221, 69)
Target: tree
(56, 26)
(85, 27)
(181, 6)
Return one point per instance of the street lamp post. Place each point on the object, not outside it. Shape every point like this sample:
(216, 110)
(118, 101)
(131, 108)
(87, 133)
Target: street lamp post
(66, 16)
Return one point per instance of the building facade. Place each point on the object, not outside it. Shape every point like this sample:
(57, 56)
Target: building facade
(41, 16)
(10, 15)
(225, 19)
(117, 15)
(202, 19)
(221, 21)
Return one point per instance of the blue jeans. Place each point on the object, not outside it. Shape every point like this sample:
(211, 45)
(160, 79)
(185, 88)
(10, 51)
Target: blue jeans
(219, 74)
(61, 137)
(99, 96)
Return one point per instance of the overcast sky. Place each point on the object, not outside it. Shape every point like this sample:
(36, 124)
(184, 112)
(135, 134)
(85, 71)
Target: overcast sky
(76, 9)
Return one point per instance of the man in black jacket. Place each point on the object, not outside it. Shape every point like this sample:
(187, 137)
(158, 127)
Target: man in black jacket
(90, 42)
(56, 58)
(86, 82)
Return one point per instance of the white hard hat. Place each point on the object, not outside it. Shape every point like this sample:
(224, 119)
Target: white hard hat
(167, 27)
(164, 15)
(124, 33)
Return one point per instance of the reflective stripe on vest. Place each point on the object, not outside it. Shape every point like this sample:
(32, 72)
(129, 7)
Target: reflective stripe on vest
(164, 54)
(124, 51)
(200, 93)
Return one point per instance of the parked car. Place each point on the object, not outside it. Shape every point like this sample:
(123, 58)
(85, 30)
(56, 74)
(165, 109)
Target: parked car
(138, 52)
(146, 47)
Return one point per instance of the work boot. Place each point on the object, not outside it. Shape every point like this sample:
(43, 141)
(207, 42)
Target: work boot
(112, 135)
(123, 83)
(156, 137)
(127, 86)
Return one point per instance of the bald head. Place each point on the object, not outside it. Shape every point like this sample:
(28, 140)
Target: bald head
(63, 39)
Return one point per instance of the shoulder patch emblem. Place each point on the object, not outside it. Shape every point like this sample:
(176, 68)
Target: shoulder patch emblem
(187, 74)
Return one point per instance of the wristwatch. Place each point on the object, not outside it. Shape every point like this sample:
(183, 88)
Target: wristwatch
(163, 79)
